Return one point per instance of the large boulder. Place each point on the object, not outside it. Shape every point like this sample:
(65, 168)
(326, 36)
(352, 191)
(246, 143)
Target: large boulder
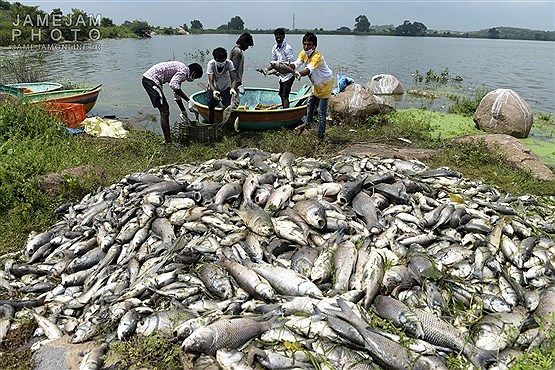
(356, 103)
(385, 84)
(515, 152)
(182, 31)
(503, 111)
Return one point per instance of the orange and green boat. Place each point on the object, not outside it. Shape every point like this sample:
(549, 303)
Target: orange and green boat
(87, 97)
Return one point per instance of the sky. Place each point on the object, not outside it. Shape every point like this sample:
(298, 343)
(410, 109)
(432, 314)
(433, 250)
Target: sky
(470, 15)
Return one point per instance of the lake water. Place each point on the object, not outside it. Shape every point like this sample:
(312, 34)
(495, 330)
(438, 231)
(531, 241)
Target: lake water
(527, 67)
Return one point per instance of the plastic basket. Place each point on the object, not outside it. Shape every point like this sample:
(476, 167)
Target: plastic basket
(72, 114)
(11, 90)
(199, 132)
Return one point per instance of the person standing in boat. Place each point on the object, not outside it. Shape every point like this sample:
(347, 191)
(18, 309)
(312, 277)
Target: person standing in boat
(321, 77)
(237, 56)
(174, 73)
(283, 52)
(221, 82)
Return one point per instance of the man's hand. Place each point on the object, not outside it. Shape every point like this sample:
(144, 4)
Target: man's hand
(216, 95)
(233, 92)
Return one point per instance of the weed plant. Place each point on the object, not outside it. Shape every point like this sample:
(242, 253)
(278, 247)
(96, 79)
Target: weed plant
(22, 67)
(466, 105)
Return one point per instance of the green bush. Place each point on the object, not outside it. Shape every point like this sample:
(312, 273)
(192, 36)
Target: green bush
(465, 105)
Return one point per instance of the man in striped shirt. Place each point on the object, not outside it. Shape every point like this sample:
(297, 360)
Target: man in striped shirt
(174, 73)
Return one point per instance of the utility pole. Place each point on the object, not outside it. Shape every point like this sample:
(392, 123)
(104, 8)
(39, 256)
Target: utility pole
(294, 22)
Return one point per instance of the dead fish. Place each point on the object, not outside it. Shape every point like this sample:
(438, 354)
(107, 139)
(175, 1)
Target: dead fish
(94, 360)
(163, 322)
(256, 219)
(215, 280)
(277, 67)
(37, 240)
(312, 212)
(225, 193)
(230, 333)
(127, 324)
(249, 280)
(226, 113)
(286, 281)
(349, 191)
(49, 328)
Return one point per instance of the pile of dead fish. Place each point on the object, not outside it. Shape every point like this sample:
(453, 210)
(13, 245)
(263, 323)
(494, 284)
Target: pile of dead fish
(269, 261)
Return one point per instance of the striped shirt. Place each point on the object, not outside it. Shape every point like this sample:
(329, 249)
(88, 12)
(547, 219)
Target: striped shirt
(283, 53)
(172, 72)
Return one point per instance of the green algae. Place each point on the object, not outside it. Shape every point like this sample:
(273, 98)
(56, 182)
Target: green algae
(541, 140)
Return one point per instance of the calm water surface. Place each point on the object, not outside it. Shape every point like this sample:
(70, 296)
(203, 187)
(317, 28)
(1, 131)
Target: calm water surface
(527, 67)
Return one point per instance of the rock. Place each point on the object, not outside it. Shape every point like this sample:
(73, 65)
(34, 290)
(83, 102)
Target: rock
(385, 84)
(52, 183)
(503, 111)
(380, 150)
(61, 354)
(356, 103)
(182, 31)
(514, 152)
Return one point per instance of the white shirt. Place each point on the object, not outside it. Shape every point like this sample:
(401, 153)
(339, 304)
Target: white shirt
(283, 53)
(222, 80)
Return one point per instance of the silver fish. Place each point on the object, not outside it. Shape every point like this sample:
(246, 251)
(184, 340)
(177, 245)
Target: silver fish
(256, 219)
(215, 280)
(286, 281)
(249, 280)
(230, 333)
(312, 212)
(93, 360)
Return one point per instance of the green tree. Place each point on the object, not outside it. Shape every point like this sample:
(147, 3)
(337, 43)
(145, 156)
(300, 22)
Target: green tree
(236, 23)
(106, 22)
(4, 5)
(185, 27)
(196, 25)
(167, 31)
(362, 24)
(493, 33)
(411, 29)
(139, 28)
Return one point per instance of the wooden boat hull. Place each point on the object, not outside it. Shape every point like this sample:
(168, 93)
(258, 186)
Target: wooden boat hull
(37, 87)
(255, 119)
(87, 97)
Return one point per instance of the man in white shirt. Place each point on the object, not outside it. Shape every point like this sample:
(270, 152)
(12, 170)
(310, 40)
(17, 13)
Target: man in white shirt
(283, 52)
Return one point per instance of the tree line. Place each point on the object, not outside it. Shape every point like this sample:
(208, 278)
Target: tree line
(19, 24)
